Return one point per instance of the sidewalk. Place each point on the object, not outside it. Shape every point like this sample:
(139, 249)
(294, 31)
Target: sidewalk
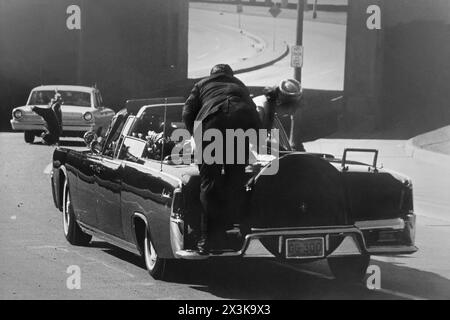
(433, 147)
(215, 36)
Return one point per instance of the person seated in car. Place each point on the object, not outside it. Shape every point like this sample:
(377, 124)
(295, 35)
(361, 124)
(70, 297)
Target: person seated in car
(158, 145)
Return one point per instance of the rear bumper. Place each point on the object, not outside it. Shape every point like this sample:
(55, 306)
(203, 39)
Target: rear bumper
(27, 126)
(340, 241)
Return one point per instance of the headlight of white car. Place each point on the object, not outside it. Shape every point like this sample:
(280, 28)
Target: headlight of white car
(88, 116)
(17, 114)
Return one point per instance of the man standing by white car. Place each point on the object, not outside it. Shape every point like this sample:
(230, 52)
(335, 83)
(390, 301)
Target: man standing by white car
(53, 120)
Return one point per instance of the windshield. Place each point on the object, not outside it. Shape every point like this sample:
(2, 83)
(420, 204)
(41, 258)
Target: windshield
(150, 126)
(72, 98)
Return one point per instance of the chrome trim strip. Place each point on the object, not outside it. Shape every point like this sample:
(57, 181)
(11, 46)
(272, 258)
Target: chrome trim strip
(109, 238)
(392, 250)
(394, 224)
(352, 231)
(272, 232)
(176, 237)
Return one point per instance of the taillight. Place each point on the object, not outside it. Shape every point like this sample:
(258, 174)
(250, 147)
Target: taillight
(407, 203)
(177, 205)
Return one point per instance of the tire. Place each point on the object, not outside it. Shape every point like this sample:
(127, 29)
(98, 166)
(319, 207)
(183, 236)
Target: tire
(349, 269)
(72, 230)
(29, 136)
(155, 265)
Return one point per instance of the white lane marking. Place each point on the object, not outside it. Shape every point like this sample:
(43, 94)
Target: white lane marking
(13, 217)
(48, 168)
(326, 277)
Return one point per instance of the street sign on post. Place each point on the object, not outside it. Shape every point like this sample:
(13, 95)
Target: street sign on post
(299, 42)
(274, 11)
(239, 10)
(297, 56)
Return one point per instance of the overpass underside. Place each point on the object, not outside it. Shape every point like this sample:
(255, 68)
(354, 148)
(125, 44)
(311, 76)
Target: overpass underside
(399, 69)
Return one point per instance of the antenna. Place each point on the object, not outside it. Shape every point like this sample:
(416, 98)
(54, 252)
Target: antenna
(164, 133)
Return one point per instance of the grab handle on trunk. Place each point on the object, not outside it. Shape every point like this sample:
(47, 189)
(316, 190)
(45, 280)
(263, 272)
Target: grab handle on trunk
(375, 157)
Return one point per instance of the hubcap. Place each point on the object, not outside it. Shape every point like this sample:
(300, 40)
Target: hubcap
(150, 253)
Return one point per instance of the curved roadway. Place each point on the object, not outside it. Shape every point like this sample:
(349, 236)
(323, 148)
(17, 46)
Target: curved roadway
(214, 39)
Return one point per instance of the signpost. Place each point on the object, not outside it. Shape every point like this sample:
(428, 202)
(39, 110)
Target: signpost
(297, 56)
(300, 10)
(315, 9)
(274, 11)
(239, 10)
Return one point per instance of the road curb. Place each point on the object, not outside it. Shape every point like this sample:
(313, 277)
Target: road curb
(265, 64)
(415, 149)
(261, 65)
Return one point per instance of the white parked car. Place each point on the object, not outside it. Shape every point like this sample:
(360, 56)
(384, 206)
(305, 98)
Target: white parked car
(82, 110)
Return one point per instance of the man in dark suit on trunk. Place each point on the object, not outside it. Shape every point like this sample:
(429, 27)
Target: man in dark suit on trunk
(221, 102)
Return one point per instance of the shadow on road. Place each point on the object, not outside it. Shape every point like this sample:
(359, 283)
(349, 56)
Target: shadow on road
(257, 279)
(118, 253)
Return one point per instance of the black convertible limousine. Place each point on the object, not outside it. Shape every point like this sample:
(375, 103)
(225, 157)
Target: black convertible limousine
(315, 207)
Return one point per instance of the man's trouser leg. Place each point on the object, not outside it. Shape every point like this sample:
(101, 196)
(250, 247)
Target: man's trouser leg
(212, 203)
(235, 180)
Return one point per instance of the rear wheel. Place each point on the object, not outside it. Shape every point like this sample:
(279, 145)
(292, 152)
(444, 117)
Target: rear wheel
(155, 265)
(351, 269)
(72, 230)
(29, 136)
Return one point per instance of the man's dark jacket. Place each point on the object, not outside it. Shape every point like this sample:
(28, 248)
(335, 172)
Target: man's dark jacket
(210, 95)
(52, 117)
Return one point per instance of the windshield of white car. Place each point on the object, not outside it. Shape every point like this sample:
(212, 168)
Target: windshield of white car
(71, 98)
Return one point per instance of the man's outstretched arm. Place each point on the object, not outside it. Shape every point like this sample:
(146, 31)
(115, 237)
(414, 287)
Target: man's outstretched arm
(191, 108)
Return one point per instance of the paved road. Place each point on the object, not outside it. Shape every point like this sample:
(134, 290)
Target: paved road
(212, 42)
(35, 255)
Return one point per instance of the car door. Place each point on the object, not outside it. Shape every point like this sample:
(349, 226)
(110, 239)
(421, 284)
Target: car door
(109, 178)
(148, 191)
(85, 197)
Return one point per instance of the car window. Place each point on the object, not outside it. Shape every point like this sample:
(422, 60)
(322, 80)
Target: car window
(98, 100)
(151, 128)
(72, 98)
(132, 149)
(283, 137)
(113, 133)
(124, 133)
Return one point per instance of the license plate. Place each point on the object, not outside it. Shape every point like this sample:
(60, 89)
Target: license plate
(305, 248)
